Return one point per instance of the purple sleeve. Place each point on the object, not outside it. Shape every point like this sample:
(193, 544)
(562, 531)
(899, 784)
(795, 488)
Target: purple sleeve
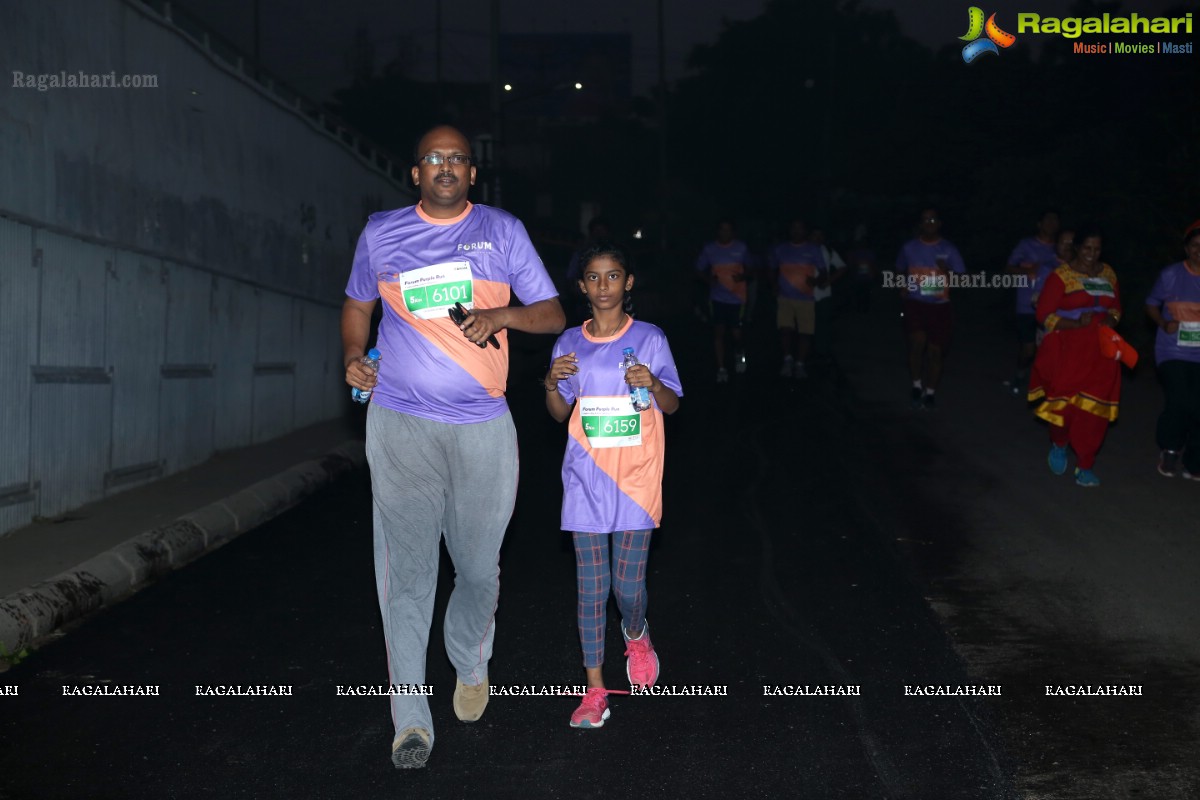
(363, 285)
(702, 263)
(956, 261)
(662, 364)
(1159, 293)
(1017, 253)
(902, 259)
(526, 273)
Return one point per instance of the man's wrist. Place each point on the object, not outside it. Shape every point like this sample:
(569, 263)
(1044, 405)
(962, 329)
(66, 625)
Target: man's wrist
(500, 317)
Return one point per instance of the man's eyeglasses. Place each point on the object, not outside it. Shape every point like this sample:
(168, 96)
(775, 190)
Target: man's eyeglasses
(437, 159)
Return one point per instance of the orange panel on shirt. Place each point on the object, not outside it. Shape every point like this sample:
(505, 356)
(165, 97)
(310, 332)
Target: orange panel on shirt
(1183, 311)
(798, 274)
(487, 365)
(725, 274)
(637, 471)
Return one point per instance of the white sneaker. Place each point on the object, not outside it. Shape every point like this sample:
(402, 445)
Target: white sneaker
(722, 375)
(739, 362)
(1168, 464)
(788, 368)
(801, 372)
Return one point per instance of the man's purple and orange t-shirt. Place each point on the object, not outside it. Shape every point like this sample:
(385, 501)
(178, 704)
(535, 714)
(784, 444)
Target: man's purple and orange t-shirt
(795, 264)
(1045, 260)
(420, 267)
(613, 466)
(919, 260)
(731, 264)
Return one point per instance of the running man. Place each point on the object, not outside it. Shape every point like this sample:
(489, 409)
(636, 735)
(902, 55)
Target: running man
(927, 262)
(726, 264)
(797, 267)
(440, 440)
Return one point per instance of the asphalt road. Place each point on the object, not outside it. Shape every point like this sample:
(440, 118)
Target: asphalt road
(771, 570)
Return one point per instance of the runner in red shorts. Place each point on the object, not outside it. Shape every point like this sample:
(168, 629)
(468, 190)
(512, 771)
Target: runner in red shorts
(926, 263)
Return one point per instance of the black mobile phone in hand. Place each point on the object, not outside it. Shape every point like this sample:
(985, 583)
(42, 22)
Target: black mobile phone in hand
(460, 314)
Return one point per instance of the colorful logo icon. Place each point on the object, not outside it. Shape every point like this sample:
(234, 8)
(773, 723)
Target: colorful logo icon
(976, 27)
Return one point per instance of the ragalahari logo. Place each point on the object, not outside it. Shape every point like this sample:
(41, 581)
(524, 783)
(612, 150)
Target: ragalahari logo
(976, 27)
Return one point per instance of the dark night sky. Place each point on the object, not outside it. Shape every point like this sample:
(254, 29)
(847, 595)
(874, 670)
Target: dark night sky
(308, 43)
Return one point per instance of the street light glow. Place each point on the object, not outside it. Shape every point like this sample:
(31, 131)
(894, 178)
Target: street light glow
(579, 86)
(508, 87)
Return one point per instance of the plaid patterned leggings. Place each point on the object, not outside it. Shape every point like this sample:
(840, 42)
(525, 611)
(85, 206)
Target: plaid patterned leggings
(627, 577)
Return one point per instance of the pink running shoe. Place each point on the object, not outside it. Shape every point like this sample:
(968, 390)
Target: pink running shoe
(592, 711)
(641, 662)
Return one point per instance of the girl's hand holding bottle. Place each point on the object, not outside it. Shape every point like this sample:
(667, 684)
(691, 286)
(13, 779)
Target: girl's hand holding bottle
(640, 375)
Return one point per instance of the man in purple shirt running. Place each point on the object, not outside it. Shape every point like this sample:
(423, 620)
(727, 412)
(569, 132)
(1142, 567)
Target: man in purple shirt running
(927, 262)
(440, 439)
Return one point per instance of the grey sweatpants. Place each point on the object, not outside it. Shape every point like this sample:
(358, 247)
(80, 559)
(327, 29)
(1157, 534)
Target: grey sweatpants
(431, 479)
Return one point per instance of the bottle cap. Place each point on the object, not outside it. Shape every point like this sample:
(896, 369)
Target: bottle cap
(627, 350)
(373, 353)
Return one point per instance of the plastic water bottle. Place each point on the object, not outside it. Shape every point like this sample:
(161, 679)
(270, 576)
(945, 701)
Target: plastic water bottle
(371, 360)
(638, 395)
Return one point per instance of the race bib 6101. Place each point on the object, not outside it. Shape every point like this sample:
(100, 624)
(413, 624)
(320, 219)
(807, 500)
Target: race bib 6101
(429, 291)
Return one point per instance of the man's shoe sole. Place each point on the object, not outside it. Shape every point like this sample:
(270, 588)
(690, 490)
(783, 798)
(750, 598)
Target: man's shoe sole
(411, 753)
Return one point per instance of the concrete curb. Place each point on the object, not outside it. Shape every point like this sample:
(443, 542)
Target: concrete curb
(31, 613)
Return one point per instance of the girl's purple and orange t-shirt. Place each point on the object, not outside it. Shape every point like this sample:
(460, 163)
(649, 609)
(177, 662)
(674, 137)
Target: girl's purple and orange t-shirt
(613, 466)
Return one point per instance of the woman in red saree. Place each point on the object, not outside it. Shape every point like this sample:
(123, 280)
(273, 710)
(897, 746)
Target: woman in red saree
(1078, 386)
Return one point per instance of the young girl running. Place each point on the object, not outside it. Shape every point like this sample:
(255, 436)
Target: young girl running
(612, 470)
